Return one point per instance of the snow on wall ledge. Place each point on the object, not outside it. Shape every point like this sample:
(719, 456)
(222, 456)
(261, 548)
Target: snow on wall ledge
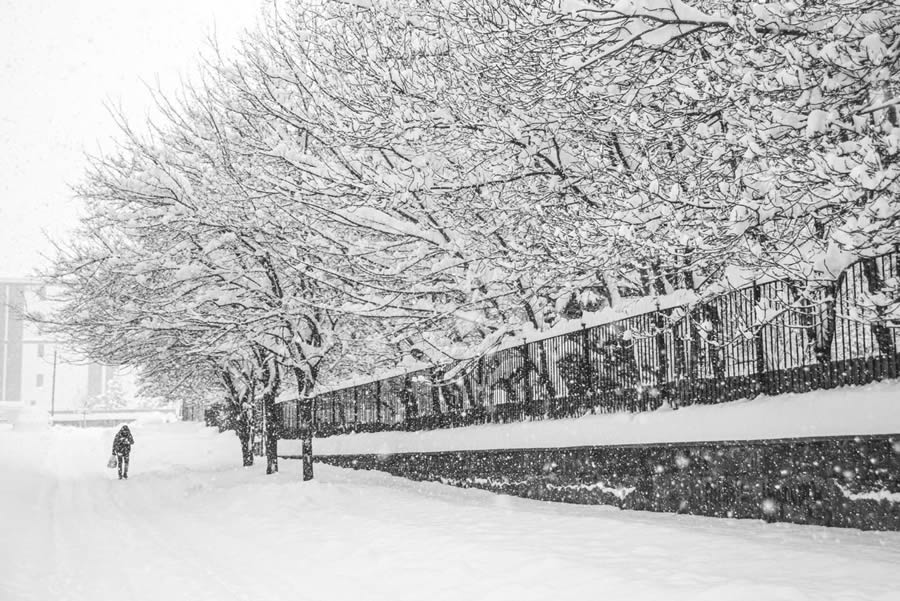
(850, 411)
(827, 457)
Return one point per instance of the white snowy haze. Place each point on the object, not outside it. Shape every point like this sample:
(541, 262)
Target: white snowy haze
(61, 64)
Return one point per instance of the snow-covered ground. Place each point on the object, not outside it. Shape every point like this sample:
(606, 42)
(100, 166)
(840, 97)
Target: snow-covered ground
(860, 410)
(191, 525)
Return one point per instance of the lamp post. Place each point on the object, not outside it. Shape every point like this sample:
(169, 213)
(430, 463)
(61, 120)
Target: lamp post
(53, 388)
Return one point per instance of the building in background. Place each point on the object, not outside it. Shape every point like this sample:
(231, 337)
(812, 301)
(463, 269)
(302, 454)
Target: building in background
(37, 372)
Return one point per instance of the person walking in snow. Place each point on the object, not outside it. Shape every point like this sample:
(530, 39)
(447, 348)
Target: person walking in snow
(122, 449)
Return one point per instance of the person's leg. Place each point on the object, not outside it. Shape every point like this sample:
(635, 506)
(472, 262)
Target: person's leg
(125, 471)
(119, 462)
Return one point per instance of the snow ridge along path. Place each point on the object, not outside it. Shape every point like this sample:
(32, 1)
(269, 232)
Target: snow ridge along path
(191, 525)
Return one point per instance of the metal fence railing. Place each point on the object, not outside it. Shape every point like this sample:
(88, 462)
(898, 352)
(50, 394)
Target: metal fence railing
(768, 338)
(212, 414)
(192, 411)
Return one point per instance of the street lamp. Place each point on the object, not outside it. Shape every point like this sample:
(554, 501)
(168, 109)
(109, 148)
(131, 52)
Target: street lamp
(53, 388)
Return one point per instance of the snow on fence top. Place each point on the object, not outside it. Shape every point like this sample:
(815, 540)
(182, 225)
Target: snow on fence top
(864, 410)
(630, 307)
(781, 304)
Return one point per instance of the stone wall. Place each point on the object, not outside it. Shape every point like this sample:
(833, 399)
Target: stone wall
(851, 482)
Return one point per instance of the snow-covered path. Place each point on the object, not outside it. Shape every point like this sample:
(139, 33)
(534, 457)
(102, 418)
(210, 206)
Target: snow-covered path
(190, 525)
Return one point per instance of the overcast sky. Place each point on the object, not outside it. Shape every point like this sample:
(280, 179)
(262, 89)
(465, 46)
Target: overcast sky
(61, 61)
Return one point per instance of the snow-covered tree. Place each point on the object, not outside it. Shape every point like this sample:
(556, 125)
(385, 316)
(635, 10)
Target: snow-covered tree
(374, 183)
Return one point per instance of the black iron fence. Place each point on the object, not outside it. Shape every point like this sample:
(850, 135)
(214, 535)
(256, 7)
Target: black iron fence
(212, 414)
(767, 338)
(192, 411)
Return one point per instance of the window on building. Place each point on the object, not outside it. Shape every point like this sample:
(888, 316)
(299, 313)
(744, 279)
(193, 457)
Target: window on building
(39, 380)
(40, 349)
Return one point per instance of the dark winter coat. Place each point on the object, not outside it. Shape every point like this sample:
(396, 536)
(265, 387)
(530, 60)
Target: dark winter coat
(123, 441)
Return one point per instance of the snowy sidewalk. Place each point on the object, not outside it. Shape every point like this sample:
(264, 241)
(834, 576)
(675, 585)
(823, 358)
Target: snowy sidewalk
(189, 525)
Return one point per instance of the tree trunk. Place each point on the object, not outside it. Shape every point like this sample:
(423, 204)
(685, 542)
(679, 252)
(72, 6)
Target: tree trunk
(269, 416)
(476, 407)
(272, 433)
(436, 392)
(659, 280)
(305, 417)
(243, 432)
(759, 346)
(687, 269)
(236, 417)
(714, 339)
(306, 431)
(544, 375)
(612, 288)
(530, 408)
(695, 316)
(680, 340)
(820, 320)
(646, 285)
(662, 352)
(882, 333)
(409, 403)
(828, 325)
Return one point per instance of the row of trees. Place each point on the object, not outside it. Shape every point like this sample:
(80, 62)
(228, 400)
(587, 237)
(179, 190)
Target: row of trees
(375, 180)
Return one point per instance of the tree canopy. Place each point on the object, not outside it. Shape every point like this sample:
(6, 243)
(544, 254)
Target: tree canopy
(375, 182)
